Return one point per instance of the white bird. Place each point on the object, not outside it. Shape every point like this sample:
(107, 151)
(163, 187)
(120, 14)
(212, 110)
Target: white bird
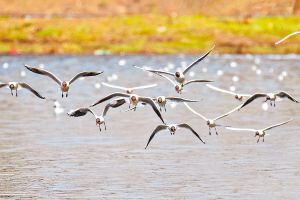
(260, 132)
(164, 102)
(64, 85)
(57, 107)
(211, 122)
(15, 86)
(133, 100)
(179, 88)
(101, 118)
(237, 95)
(179, 75)
(172, 128)
(269, 96)
(288, 37)
(129, 90)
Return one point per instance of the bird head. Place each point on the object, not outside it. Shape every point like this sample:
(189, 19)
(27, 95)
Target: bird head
(11, 86)
(236, 96)
(98, 121)
(159, 99)
(133, 98)
(177, 74)
(64, 84)
(268, 97)
(173, 129)
(178, 88)
(208, 122)
(256, 133)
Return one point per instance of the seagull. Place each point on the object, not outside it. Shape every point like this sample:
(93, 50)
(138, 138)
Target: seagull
(287, 37)
(211, 122)
(179, 88)
(14, 86)
(269, 96)
(64, 85)
(237, 96)
(172, 128)
(179, 76)
(129, 90)
(261, 132)
(164, 102)
(133, 100)
(99, 119)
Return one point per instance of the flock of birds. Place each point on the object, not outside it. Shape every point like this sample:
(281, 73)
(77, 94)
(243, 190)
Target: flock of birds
(159, 103)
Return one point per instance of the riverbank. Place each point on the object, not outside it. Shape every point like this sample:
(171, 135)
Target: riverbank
(149, 34)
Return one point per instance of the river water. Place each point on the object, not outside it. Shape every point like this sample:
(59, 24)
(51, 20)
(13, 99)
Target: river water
(45, 155)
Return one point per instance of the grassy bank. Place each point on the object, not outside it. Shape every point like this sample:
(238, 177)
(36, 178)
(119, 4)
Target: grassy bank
(149, 34)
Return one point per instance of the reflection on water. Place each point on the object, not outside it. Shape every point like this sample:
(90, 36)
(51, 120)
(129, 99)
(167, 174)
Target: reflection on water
(48, 155)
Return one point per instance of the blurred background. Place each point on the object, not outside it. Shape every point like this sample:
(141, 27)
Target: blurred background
(141, 26)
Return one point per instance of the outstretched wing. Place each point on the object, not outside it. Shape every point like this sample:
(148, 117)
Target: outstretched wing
(28, 87)
(116, 94)
(114, 86)
(152, 104)
(184, 125)
(43, 72)
(80, 112)
(220, 90)
(288, 37)
(195, 112)
(252, 98)
(270, 127)
(227, 113)
(197, 61)
(156, 130)
(193, 81)
(179, 100)
(144, 87)
(114, 104)
(3, 84)
(167, 79)
(240, 129)
(87, 73)
(155, 71)
(284, 94)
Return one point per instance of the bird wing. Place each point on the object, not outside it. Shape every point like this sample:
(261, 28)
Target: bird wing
(80, 112)
(284, 94)
(167, 79)
(227, 113)
(156, 130)
(87, 73)
(155, 71)
(195, 111)
(116, 94)
(3, 84)
(114, 104)
(184, 125)
(197, 61)
(150, 102)
(273, 126)
(113, 86)
(220, 90)
(240, 129)
(43, 72)
(192, 81)
(287, 37)
(253, 97)
(143, 87)
(179, 100)
(28, 87)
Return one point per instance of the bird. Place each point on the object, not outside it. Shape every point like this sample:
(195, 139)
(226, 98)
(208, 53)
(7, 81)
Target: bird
(179, 76)
(99, 119)
(237, 95)
(58, 109)
(64, 85)
(133, 100)
(129, 90)
(163, 102)
(211, 122)
(15, 86)
(172, 128)
(269, 96)
(179, 88)
(288, 37)
(258, 132)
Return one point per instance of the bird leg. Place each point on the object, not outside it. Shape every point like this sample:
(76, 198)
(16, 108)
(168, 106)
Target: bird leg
(216, 131)
(165, 109)
(209, 131)
(16, 93)
(67, 94)
(160, 109)
(99, 127)
(11, 93)
(274, 103)
(62, 95)
(135, 108)
(258, 139)
(104, 125)
(271, 103)
(264, 139)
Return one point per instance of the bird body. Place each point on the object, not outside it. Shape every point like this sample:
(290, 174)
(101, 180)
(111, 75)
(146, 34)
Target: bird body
(163, 102)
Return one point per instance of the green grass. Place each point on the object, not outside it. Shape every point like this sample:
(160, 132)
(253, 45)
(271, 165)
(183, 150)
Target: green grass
(150, 34)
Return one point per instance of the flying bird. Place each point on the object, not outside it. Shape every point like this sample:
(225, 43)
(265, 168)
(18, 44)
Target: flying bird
(164, 102)
(211, 122)
(64, 85)
(261, 132)
(269, 96)
(237, 95)
(179, 75)
(288, 37)
(101, 118)
(179, 88)
(172, 128)
(15, 86)
(133, 100)
(129, 90)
